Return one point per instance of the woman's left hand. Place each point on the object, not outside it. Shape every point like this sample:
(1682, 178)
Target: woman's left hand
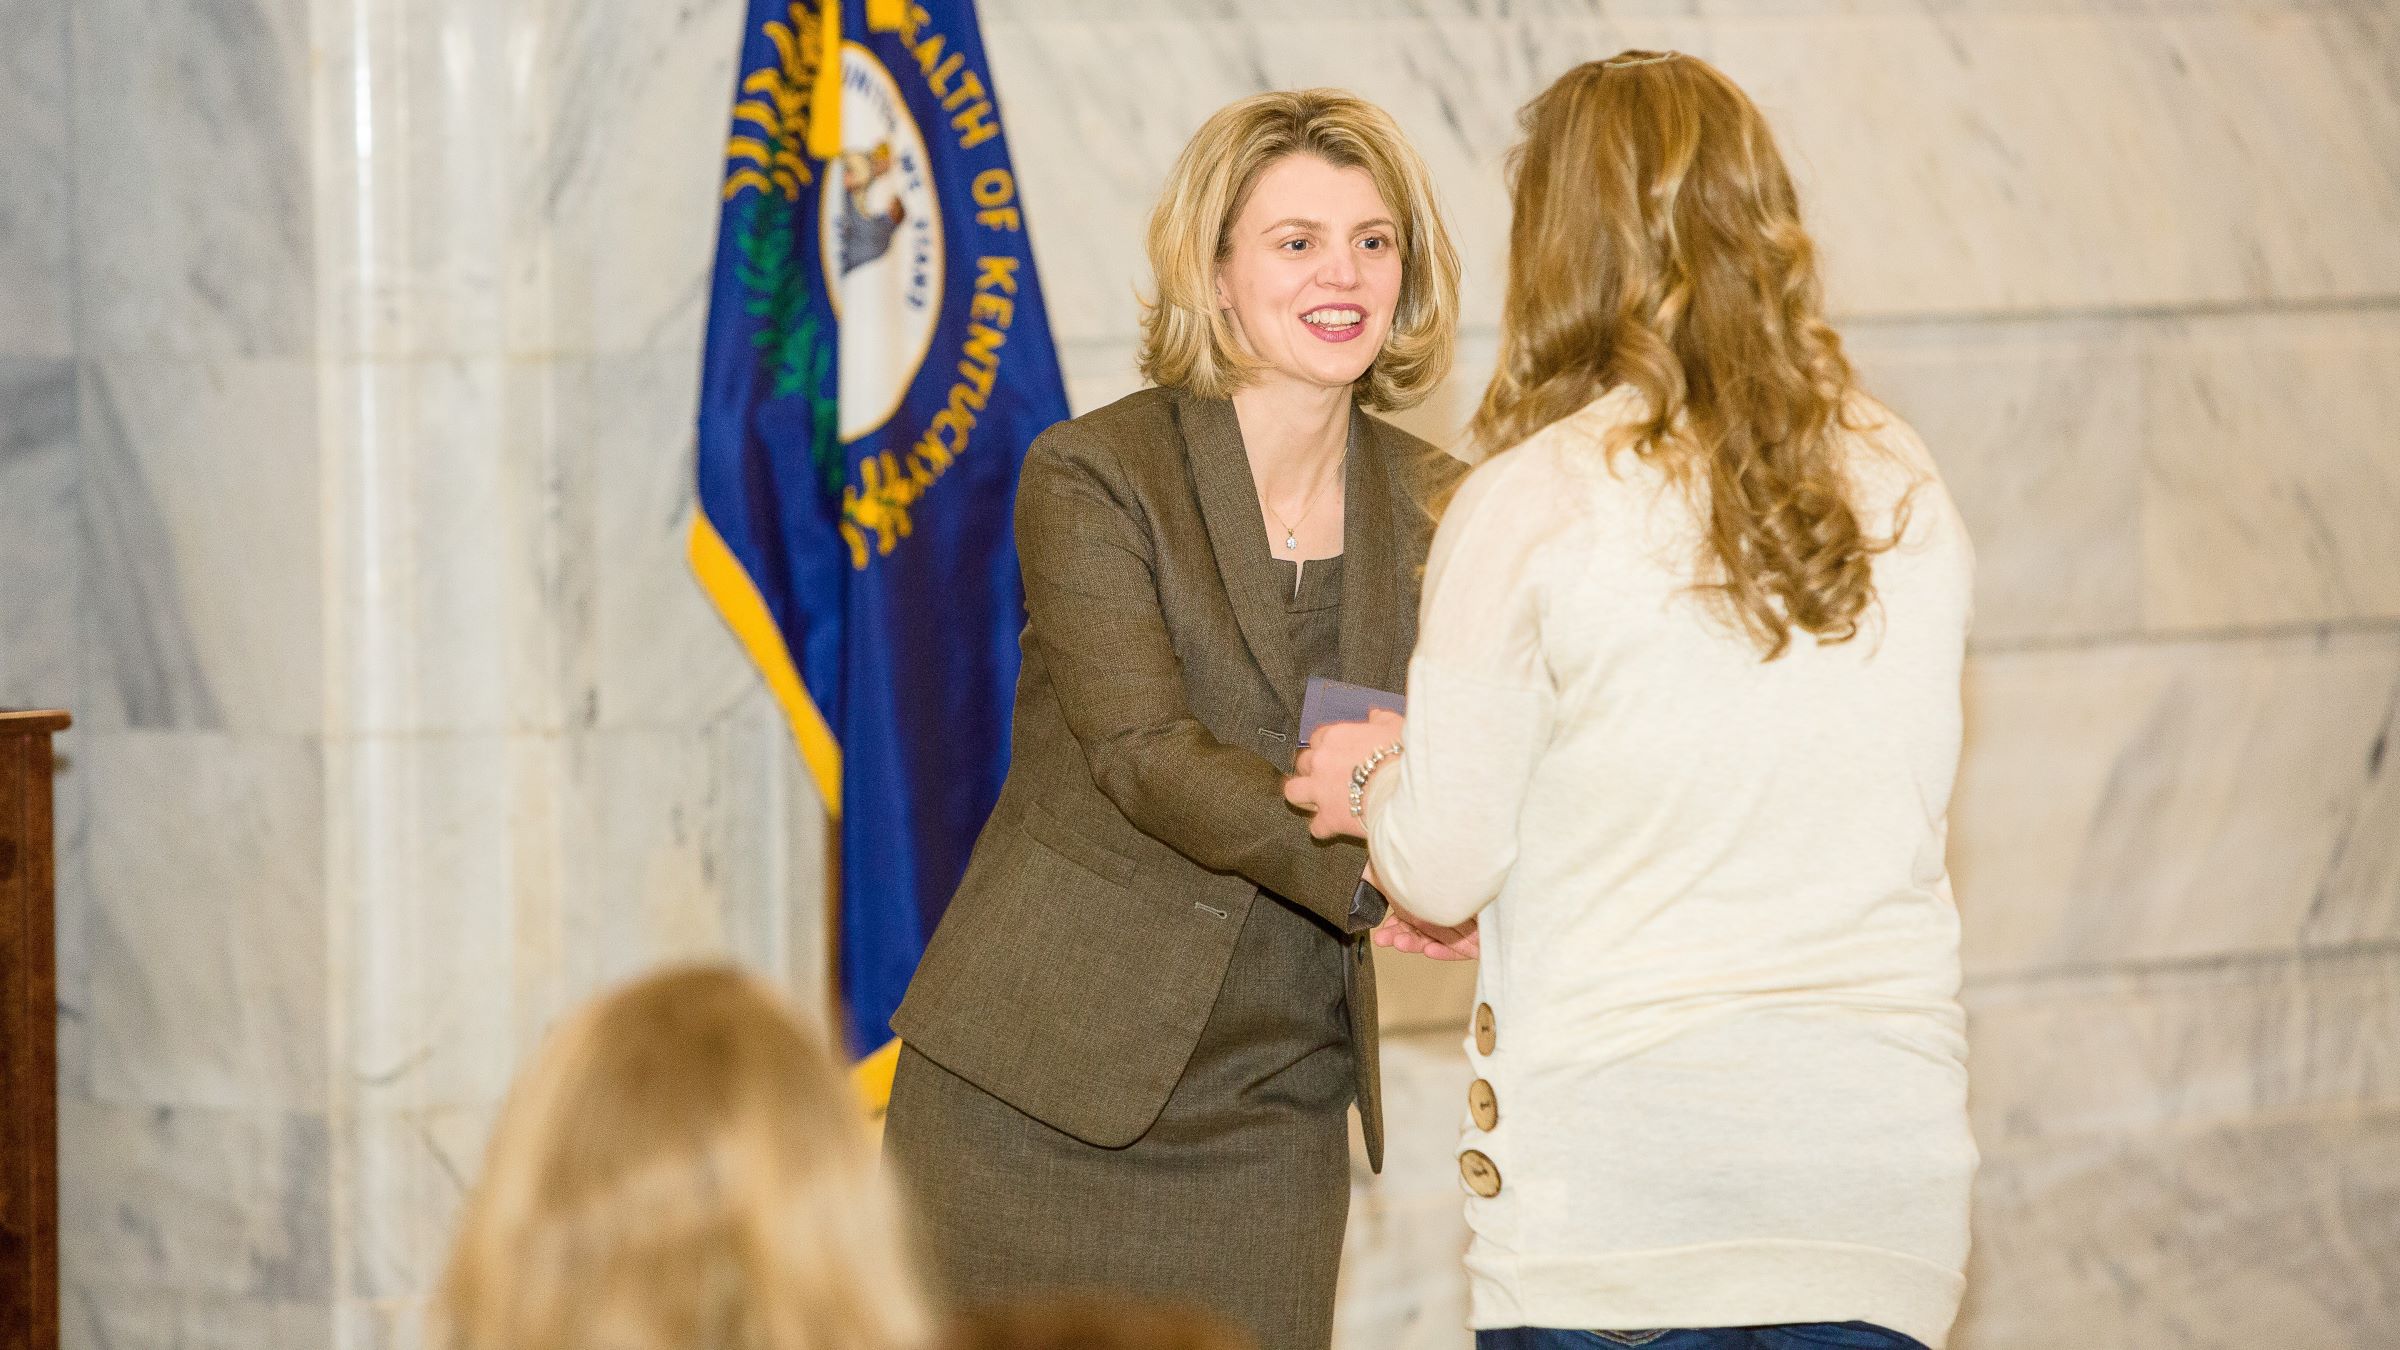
(1321, 784)
(1403, 931)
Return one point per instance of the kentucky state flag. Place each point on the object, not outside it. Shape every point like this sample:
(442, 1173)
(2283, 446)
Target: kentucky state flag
(878, 361)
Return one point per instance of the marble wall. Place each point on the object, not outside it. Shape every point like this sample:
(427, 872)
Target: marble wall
(348, 352)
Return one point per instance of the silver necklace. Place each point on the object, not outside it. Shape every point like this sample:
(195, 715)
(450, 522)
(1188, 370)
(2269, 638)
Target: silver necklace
(1291, 531)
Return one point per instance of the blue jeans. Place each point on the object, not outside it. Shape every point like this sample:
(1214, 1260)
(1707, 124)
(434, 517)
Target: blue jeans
(1808, 1336)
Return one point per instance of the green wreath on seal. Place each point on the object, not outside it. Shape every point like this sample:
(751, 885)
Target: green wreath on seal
(770, 157)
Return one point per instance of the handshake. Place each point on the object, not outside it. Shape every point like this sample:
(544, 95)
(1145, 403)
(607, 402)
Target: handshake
(1419, 937)
(1323, 784)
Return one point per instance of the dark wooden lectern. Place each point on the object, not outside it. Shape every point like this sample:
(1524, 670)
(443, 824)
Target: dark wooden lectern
(28, 1037)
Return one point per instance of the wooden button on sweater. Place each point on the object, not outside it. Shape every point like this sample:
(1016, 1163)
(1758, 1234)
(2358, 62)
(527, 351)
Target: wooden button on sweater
(1482, 1177)
(1485, 1104)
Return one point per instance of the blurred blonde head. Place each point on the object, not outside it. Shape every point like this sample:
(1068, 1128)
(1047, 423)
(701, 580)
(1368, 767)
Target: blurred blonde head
(1187, 340)
(1656, 243)
(682, 1168)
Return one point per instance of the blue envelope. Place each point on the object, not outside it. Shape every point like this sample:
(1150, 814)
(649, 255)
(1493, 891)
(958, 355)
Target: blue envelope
(1330, 701)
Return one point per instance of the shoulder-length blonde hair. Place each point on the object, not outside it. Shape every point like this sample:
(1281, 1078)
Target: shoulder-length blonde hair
(1188, 343)
(682, 1168)
(1656, 243)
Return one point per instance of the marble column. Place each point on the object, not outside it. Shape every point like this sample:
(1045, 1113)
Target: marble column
(348, 352)
(545, 766)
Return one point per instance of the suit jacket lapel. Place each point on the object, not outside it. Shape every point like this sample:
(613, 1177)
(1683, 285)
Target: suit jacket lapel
(1375, 611)
(1238, 535)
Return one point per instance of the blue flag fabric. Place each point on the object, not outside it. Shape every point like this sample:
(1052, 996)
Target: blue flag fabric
(878, 360)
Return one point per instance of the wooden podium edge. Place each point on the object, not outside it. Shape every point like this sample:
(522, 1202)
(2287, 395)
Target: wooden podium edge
(29, 1291)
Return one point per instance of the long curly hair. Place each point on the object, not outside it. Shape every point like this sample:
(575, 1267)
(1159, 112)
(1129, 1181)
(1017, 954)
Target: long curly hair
(1657, 244)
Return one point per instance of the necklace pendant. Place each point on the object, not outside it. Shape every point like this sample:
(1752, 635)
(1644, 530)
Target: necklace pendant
(1291, 542)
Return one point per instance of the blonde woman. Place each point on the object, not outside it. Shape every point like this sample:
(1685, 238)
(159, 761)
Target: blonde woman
(682, 1168)
(1681, 729)
(1135, 1038)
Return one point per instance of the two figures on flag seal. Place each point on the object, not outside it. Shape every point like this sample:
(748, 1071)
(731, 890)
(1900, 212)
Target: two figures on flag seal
(881, 232)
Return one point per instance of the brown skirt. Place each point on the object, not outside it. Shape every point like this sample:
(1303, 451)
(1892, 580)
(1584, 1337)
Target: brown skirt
(1236, 1198)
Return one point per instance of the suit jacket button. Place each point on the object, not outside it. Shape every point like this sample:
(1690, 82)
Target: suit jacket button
(1478, 1171)
(1485, 1104)
(1486, 1032)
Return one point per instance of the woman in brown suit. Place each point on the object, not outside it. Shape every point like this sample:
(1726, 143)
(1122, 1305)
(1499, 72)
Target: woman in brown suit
(1133, 1040)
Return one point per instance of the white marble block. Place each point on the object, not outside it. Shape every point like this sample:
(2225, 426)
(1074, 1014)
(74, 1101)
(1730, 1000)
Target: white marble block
(194, 178)
(2176, 801)
(36, 213)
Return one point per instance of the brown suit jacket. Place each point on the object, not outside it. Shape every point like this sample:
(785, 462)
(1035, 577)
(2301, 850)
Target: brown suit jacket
(1155, 715)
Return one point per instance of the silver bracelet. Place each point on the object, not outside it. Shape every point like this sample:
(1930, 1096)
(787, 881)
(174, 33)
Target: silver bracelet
(1366, 770)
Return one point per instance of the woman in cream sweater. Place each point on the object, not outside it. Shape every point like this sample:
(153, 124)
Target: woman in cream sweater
(1682, 724)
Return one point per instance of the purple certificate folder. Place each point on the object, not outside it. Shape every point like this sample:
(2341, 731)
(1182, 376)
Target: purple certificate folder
(1329, 701)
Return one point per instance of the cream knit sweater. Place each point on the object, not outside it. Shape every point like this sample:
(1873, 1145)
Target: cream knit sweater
(1724, 1082)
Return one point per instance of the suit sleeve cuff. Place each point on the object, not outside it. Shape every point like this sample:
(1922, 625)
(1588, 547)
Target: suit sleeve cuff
(1367, 907)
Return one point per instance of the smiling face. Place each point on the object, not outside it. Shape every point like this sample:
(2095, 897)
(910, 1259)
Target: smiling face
(1311, 272)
